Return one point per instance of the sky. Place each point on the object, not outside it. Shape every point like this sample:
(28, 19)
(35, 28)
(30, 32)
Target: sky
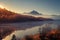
(48, 7)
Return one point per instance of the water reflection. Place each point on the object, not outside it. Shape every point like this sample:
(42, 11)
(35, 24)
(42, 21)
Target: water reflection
(33, 30)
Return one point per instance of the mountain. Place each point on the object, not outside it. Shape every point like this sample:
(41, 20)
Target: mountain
(7, 16)
(35, 13)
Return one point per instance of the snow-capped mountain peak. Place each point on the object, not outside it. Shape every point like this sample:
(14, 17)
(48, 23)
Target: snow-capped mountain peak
(35, 13)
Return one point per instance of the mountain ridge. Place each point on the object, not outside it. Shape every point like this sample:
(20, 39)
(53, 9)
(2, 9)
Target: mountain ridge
(9, 16)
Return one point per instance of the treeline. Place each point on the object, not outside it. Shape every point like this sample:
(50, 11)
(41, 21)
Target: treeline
(8, 16)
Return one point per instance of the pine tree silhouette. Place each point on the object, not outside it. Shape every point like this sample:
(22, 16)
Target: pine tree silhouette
(13, 37)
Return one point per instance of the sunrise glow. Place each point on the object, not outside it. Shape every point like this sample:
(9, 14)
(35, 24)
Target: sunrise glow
(2, 7)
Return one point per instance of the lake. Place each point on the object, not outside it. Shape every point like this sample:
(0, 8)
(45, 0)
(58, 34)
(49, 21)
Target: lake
(27, 28)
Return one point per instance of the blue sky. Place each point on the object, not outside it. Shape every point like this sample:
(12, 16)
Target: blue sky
(42, 6)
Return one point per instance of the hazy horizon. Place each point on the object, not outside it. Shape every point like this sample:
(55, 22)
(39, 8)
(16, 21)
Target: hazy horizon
(42, 6)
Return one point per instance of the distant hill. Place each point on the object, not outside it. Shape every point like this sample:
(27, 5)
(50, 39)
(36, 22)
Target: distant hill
(7, 16)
